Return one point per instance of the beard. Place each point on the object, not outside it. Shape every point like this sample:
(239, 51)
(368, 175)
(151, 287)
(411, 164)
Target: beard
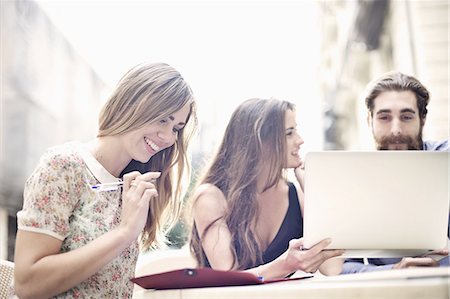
(385, 142)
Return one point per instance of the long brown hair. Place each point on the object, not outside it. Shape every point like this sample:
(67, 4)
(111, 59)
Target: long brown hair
(146, 94)
(257, 124)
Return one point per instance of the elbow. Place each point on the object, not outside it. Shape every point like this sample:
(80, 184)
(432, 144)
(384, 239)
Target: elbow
(24, 290)
(20, 288)
(330, 272)
(332, 266)
(21, 291)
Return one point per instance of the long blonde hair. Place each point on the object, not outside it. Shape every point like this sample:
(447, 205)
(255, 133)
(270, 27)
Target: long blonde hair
(257, 124)
(146, 94)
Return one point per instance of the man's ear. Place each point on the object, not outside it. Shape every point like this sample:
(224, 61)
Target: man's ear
(423, 121)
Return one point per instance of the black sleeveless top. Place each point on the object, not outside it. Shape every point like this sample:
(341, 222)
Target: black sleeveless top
(291, 228)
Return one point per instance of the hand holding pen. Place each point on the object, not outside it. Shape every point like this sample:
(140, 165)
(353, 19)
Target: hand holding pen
(143, 182)
(138, 190)
(113, 186)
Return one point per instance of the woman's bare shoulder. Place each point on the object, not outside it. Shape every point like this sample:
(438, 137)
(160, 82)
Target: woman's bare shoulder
(208, 197)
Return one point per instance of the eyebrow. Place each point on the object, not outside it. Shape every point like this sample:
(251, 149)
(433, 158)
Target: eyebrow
(290, 128)
(408, 110)
(404, 110)
(173, 118)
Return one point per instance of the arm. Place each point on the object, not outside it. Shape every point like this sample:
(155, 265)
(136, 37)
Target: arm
(330, 266)
(431, 259)
(210, 204)
(41, 271)
(351, 266)
(356, 265)
(294, 258)
(406, 262)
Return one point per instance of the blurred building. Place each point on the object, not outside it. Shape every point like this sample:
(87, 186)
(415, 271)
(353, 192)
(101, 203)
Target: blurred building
(49, 95)
(363, 39)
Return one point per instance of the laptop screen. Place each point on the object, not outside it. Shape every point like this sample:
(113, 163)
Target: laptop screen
(380, 200)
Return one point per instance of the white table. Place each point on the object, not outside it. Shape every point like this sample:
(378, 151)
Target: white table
(429, 283)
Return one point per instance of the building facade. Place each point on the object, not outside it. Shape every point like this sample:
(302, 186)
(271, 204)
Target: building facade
(49, 95)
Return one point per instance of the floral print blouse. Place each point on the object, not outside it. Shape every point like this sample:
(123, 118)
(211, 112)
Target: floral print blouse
(59, 202)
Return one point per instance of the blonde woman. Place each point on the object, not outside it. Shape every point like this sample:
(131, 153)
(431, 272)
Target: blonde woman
(247, 216)
(74, 241)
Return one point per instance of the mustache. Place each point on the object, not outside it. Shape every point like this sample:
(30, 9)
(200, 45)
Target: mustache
(413, 144)
(397, 139)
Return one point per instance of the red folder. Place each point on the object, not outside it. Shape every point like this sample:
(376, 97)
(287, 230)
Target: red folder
(199, 278)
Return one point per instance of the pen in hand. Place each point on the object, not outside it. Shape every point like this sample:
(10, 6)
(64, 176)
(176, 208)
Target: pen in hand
(113, 186)
(107, 186)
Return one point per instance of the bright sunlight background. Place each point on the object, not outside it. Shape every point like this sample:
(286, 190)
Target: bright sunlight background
(228, 51)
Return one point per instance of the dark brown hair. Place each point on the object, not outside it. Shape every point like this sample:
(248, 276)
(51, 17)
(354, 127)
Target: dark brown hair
(396, 81)
(255, 126)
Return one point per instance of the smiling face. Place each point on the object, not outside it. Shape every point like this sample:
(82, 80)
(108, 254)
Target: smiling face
(143, 143)
(395, 122)
(293, 140)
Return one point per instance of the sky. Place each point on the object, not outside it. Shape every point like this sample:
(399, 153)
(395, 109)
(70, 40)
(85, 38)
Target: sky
(228, 51)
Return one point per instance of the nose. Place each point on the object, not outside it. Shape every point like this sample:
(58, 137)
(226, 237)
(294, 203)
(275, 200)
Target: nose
(299, 140)
(396, 128)
(166, 136)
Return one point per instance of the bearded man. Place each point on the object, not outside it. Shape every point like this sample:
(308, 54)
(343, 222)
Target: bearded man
(396, 113)
(397, 110)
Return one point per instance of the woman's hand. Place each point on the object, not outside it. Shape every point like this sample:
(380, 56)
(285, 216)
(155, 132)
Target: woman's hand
(307, 260)
(138, 190)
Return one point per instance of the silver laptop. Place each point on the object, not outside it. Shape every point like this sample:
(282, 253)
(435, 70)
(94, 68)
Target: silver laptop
(377, 204)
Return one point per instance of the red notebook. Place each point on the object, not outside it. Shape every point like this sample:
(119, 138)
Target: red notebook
(199, 278)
